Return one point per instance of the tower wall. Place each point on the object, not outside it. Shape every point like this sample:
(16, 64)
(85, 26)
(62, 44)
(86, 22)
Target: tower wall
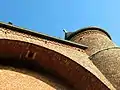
(108, 62)
(102, 51)
(95, 38)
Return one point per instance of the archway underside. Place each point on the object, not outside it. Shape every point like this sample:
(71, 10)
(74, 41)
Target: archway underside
(26, 55)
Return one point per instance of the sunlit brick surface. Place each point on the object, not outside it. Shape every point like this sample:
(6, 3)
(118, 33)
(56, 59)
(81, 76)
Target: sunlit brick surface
(16, 79)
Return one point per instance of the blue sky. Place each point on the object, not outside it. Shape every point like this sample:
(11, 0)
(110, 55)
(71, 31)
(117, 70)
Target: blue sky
(52, 16)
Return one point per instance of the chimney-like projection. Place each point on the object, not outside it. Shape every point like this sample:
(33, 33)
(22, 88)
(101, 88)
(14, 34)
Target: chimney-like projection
(101, 50)
(95, 38)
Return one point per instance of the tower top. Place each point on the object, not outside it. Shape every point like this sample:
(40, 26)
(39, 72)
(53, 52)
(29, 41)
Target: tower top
(69, 35)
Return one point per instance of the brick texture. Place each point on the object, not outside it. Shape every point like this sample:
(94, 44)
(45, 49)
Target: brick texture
(78, 55)
(108, 61)
(95, 40)
(21, 79)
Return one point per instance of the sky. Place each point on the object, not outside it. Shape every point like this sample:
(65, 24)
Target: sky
(52, 16)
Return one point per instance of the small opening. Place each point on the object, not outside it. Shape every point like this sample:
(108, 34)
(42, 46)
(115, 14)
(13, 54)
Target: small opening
(81, 38)
(31, 54)
(45, 42)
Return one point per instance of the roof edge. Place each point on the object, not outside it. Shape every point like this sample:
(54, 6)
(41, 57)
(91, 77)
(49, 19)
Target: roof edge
(40, 35)
(87, 28)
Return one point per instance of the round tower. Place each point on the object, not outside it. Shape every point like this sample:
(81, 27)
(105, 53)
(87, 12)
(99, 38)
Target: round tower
(95, 38)
(108, 62)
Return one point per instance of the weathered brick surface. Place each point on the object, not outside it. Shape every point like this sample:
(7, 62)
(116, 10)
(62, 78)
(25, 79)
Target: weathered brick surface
(20, 79)
(108, 61)
(95, 40)
(76, 54)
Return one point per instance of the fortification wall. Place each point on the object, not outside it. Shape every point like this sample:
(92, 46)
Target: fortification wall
(102, 51)
(79, 60)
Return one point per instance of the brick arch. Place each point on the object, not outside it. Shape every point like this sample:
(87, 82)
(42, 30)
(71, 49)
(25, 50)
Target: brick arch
(23, 54)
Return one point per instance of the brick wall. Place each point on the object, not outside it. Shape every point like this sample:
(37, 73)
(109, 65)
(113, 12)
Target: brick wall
(80, 59)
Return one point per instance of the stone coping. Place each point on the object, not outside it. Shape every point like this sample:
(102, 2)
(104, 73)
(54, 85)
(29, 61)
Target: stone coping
(40, 35)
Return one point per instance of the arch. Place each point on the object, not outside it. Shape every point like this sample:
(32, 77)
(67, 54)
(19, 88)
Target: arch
(23, 54)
